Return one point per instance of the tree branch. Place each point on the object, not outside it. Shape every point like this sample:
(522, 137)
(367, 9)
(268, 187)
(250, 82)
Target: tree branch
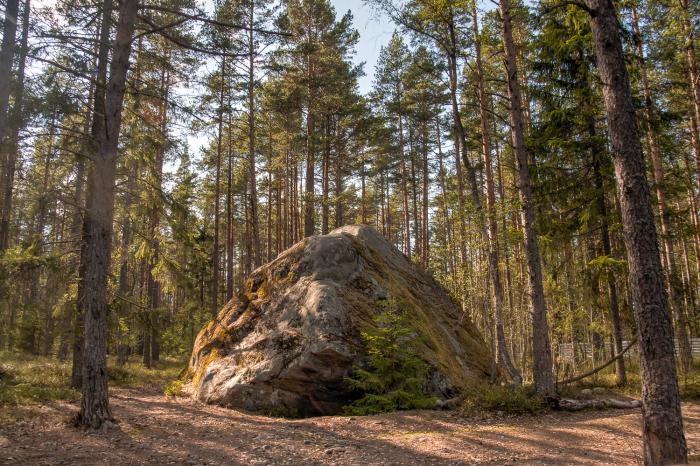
(160, 30)
(202, 18)
(599, 368)
(564, 3)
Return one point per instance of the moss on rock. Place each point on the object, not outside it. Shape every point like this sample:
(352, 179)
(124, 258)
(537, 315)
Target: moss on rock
(287, 341)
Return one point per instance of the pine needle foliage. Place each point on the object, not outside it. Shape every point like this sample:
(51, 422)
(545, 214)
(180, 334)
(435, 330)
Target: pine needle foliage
(394, 377)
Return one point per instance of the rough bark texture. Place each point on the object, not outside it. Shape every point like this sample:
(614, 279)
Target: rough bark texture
(151, 340)
(425, 240)
(541, 350)
(668, 255)
(230, 233)
(7, 53)
(289, 338)
(459, 135)
(97, 227)
(91, 141)
(664, 442)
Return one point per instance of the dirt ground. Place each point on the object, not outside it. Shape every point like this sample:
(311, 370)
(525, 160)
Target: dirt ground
(153, 429)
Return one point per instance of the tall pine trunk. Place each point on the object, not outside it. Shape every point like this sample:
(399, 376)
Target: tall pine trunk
(325, 175)
(425, 242)
(97, 122)
(310, 154)
(229, 209)
(339, 161)
(541, 350)
(255, 236)
(502, 353)
(97, 225)
(215, 257)
(9, 138)
(151, 336)
(620, 373)
(669, 261)
(404, 192)
(664, 442)
(7, 54)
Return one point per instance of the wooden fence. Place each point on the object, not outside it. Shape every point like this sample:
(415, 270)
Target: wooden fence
(570, 352)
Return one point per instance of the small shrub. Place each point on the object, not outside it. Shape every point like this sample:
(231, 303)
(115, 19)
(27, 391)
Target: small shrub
(119, 376)
(395, 375)
(175, 388)
(506, 399)
(511, 400)
(690, 392)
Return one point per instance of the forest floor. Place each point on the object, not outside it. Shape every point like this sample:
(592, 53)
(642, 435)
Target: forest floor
(154, 429)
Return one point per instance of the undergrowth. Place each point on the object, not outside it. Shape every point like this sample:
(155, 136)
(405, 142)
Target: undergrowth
(134, 375)
(395, 374)
(29, 379)
(26, 379)
(506, 400)
(689, 384)
(174, 388)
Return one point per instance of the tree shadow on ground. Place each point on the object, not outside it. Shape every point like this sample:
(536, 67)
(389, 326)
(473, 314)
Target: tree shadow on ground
(158, 430)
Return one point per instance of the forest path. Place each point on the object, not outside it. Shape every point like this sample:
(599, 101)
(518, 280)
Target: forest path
(154, 429)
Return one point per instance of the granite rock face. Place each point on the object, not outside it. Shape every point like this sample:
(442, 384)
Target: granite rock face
(285, 343)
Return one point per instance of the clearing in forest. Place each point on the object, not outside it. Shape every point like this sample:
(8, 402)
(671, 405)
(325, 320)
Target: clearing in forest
(154, 429)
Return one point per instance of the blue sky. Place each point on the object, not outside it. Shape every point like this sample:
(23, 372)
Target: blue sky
(375, 31)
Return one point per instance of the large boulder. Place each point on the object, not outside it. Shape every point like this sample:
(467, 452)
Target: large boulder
(287, 341)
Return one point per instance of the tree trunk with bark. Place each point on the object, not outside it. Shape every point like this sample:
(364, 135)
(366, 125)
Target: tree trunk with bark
(620, 373)
(9, 139)
(339, 161)
(425, 241)
(668, 255)
(309, 195)
(151, 336)
(97, 225)
(325, 175)
(229, 209)
(664, 442)
(91, 147)
(541, 350)
(257, 259)
(404, 192)
(7, 54)
(215, 259)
